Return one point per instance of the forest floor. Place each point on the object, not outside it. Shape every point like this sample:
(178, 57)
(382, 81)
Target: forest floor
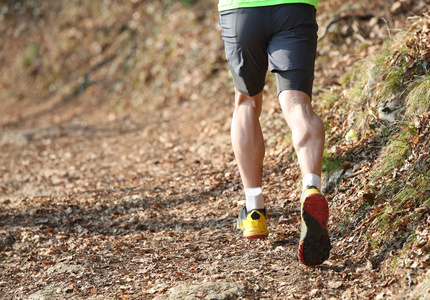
(98, 202)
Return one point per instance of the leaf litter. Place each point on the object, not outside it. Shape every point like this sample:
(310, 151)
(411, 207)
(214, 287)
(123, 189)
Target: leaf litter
(138, 199)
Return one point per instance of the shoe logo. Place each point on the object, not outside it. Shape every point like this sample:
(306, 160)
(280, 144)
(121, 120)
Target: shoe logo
(255, 215)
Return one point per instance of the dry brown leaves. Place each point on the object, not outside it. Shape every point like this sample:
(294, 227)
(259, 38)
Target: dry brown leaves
(417, 57)
(103, 197)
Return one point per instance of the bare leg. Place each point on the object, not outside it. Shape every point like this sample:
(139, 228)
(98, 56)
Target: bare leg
(247, 138)
(308, 132)
(308, 140)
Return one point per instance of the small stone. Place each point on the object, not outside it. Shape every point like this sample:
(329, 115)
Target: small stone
(68, 289)
(369, 265)
(426, 261)
(137, 197)
(396, 7)
(415, 265)
(335, 284)
(211, 290)
(318, 283)
(283, 220)
(314, 293)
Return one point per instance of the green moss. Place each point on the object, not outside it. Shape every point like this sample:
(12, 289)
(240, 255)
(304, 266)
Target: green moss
(418, 100)
(350, 76)
(396, 151)
(331, 163)
(29, 56)
(188, 3)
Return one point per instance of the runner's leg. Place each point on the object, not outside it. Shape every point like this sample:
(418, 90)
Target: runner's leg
(247, 138)
(248, 146)
(308, 132)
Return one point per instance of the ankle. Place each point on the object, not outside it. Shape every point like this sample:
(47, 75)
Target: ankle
(311, 179)
(254, 198)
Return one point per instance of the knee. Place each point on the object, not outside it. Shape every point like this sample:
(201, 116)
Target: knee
(254, 102)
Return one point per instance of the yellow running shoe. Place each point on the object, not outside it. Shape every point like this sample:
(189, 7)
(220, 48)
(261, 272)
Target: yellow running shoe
(314, 247)
(253, 223)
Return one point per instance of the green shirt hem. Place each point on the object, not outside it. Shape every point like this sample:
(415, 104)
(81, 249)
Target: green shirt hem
(226, 5)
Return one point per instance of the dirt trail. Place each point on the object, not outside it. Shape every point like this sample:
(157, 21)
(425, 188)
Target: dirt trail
(100, 203)
(135, 206)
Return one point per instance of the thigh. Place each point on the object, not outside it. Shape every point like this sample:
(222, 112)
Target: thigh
(245, 32)
(294, 40)
(292, 49)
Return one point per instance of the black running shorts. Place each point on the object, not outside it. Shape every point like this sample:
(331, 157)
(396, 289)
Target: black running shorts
(282, 37)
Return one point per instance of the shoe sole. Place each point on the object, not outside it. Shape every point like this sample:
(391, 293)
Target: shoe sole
(252, 234)
(315, 247)
(255, 236)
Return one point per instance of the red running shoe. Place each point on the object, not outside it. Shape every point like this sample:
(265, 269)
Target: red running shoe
(314, 247)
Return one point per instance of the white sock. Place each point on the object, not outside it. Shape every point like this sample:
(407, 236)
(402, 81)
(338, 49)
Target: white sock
(254, 198)
(311, 179)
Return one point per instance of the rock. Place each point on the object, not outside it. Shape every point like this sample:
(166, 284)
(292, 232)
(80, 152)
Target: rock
(137, 197)
(8, 241)
(389, 110)
(49, 292)
(158, 288)
(332, 181)
(25, 136)
(426, 260)
(335, 284)
(422, 290)
(314, 293)
(319, 283)
(57, 290)
(220, 290)
(283, 220)
(63, 268)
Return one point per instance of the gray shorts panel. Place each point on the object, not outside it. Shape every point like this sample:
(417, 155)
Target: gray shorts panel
(281, 37)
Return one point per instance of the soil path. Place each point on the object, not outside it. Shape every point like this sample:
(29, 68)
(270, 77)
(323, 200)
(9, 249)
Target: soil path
(101, 204)
(132, 207)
